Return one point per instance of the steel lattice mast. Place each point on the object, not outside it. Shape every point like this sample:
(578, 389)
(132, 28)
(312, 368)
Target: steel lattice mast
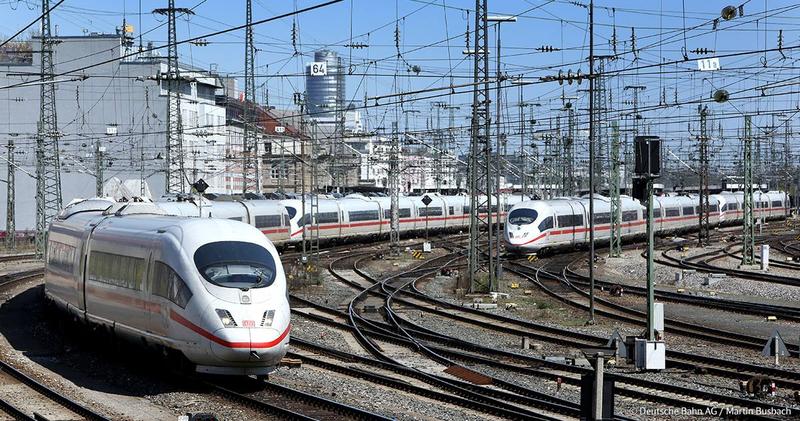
(705, 208)
(615, 236)
(250, 164)
(48, 165)
(748, 235)
(480, 154)
(174, 153)
(394, 190)
(787, 175)
(11, 232)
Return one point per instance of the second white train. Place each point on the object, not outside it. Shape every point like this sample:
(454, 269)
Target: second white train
(540, 225)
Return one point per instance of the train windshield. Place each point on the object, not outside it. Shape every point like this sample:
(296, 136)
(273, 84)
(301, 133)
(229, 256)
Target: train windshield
(522, 216)
(235, 264)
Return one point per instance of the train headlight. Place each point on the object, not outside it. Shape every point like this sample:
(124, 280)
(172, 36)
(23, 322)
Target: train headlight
(266, 320)
(226, 318)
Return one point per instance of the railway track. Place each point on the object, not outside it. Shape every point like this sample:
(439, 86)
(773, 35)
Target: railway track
(727, 304)
(511, 326)
(15, 257)
(293, 404)
(723, 368)
(702, 262)
(628, 387)
(499, 403)
(790, 248)
(40, 401)
(16, 277)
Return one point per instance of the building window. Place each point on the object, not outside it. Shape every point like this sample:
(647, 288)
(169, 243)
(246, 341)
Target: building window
(279, 171)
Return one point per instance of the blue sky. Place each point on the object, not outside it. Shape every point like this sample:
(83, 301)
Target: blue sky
(432, 37)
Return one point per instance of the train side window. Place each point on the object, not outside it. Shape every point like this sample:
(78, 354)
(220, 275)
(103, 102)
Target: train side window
(401, 213)
(656, 212)
(366, 215)
(116, 269)
(688, 210)
(268, 221)
(451, 210)
(429, 211)
(673, 212)
(546, 224)
(465, 210)
(61, 257)
(715, 208)
(628, 216)
(236, 218)
(327, 217)
(724, 207)
(168, 284)
(602, 218)
(570, 220)
(305, 220)
(777, 204)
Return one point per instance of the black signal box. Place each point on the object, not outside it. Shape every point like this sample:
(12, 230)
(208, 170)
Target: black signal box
(647, 150)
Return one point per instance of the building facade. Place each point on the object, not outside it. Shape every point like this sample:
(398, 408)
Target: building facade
(118, 105)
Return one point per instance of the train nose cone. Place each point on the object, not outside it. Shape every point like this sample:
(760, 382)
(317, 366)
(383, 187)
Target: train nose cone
(265, 346)
(269, 344)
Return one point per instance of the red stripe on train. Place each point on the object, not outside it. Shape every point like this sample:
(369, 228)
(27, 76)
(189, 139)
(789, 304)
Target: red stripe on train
(210, 336)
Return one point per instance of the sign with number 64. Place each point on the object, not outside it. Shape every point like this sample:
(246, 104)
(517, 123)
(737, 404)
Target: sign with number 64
(319, 68)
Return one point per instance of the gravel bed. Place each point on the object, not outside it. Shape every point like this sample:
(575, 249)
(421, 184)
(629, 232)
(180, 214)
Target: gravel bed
(603, 328)
(312, 331)
(330, 292)
(631, 270)
(370, 396)
(730, 262)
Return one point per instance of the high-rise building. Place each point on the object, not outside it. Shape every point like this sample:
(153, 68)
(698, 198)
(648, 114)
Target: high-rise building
(325, 88)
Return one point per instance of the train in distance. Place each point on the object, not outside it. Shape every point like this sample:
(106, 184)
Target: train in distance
(546, 225)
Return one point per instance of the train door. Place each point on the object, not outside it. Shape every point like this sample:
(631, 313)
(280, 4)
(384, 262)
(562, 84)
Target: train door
(158, 307)
(581, 232)
(84, 268)
(247, 212)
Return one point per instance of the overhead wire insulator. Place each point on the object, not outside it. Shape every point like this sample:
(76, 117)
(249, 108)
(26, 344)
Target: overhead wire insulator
(397, 38)
(702, 51)
(547, 49)
(294, 37)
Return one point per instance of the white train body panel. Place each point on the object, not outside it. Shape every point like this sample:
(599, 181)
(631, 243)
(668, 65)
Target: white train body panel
(159, 279)
(548, 224)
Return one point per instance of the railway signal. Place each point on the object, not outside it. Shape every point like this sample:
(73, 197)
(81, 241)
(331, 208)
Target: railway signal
(775, 347)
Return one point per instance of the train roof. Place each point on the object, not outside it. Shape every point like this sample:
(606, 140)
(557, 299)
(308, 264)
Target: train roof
(146, 220)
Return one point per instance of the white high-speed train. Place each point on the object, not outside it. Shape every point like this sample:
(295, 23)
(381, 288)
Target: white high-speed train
(352, 217)
(540, 225)
(211, 290)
